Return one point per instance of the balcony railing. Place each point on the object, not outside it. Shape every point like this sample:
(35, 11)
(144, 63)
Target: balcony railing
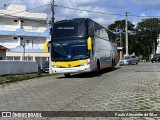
(22, 32)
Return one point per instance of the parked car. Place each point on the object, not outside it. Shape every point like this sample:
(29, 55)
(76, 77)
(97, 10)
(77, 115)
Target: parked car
(128, 60)
(156, 58)
(45, 67)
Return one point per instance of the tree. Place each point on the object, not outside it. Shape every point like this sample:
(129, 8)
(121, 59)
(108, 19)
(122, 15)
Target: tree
(120, 24)
(119, 28)
(147, 33)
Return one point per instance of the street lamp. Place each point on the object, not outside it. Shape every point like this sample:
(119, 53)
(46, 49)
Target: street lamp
(119, 30)
(23, 44)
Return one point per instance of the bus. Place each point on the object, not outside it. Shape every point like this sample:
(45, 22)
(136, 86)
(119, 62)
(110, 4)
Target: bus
(82, 45)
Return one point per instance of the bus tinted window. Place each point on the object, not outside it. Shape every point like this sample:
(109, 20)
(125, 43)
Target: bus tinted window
(74, 28)
(91, 28)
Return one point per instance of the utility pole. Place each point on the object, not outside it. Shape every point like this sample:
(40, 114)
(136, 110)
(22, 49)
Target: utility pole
(126, 29)
(50, 45)
(52, 13)
(23, 44)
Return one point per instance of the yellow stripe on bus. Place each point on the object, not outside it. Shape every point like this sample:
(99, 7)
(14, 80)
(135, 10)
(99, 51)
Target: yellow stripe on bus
(67, 64)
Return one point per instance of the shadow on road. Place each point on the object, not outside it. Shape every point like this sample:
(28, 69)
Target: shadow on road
(90, 74)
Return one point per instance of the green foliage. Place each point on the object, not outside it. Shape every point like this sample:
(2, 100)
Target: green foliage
(147, 33)
(119, 27)
(142, 39)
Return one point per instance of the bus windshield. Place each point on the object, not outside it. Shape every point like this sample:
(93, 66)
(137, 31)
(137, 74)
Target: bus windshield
(73, 28)
(69, 49)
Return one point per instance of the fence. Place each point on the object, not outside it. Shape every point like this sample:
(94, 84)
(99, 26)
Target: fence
(18, 67)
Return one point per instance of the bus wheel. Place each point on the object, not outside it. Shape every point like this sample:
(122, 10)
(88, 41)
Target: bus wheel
(113, 63)
(67, 75)
(98, 67)
(96, 72)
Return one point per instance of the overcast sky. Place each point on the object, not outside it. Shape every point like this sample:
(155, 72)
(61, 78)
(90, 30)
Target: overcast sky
(134, 7)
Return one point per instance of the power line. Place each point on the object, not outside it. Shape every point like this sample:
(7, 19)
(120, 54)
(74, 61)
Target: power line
(98, 12)
(77, 9)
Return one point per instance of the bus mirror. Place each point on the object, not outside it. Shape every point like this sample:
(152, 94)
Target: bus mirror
(45, 48)
(89, 43)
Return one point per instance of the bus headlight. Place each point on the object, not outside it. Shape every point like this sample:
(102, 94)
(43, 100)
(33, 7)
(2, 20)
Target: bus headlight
(84, 64)
(55, 66)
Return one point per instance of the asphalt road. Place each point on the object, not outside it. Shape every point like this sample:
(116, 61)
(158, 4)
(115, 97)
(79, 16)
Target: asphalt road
(128, 88)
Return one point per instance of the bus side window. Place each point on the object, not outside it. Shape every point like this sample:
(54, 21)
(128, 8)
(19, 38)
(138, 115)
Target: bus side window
(96, 30)
(112, 37)
(90, 28)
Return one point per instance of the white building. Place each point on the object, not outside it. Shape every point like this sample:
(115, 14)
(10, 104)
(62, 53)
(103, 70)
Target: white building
(158, 46)
(17, 26)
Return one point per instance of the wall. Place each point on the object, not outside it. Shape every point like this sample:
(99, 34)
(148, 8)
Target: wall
(18, 67)
(9, 41)
(34, 42)
(14, 41)
(12, 24)
(33, 26)
(8, 24)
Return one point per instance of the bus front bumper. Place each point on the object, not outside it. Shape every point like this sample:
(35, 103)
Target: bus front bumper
(79, 69)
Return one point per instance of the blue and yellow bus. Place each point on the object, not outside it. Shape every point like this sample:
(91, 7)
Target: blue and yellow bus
(82, 45)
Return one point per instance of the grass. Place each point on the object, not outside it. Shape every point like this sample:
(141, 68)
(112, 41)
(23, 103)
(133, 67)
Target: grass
(19, 77)
(144, 107)
(155, 99)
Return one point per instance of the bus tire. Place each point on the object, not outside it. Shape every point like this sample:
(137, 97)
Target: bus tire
(98, 67)
(112, 66)
(67, 75)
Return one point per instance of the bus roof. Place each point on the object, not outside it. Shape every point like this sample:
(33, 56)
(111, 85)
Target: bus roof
(61, 21)
(71, 20)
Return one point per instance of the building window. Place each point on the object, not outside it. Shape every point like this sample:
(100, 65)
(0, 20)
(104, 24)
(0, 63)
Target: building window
(15, 38)
(30, 58)
(9, 58)
(25, 58)
(15, 21)
(16, 58)
(1, 58)
(22, 21)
